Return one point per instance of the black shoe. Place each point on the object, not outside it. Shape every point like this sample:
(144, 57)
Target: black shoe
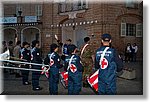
(5, 71)
(18, 75)
(26, 83)
(12, 73)
(37, 89)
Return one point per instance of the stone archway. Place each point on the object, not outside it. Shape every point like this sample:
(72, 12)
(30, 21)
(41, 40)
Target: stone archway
(10, 34)
(30, 33)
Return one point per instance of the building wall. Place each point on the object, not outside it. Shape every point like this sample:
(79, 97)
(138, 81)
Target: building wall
(109, 17)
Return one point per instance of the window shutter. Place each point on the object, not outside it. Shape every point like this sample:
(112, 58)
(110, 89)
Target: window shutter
(86, 3)
(130, 4)
(123, 29)
(139, 30)
(38, 11)
(63, 7)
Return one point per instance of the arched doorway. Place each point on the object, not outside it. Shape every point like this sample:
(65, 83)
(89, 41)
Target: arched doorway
(81, 33)
(76, 34)
(29, 34)
(10, 34)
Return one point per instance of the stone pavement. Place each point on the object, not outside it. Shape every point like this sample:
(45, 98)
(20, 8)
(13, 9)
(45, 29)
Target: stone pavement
(13, 86)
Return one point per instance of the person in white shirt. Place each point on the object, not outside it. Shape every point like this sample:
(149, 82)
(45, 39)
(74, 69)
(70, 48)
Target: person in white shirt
(134, 52)
(128, 52)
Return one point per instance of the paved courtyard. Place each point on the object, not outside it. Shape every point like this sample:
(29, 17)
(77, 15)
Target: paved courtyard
(13, 86)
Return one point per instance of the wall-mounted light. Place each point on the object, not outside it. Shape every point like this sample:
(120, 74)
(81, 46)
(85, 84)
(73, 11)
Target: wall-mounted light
(80, 23)
(96, 21)
(92, 22)
(76, 23)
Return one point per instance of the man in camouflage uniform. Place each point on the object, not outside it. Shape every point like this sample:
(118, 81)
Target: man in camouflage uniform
(87, 56)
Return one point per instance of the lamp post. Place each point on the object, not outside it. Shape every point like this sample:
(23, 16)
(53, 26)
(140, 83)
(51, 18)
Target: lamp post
(20, 13)
(20, 21)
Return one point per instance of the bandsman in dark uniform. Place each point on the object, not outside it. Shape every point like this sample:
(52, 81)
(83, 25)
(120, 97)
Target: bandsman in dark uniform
(65, 49)
(36, 58)
(108, 62)
(74, 67)
(53, 59)
(25, 55)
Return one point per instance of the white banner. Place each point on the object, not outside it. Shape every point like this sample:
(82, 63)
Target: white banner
(8, 20)
(30, 18)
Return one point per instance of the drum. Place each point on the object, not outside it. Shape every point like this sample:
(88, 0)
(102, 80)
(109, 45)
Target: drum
(64, 78)
(93, 81)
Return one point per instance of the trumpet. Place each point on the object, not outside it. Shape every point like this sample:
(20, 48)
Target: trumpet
(5, 57)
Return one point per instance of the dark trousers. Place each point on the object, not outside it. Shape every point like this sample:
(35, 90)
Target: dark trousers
(35, 79)
(105, 88)
(128, 57)
(53, 83)
(25, 75)
(74, 83)
(53, 80)
(134, 57)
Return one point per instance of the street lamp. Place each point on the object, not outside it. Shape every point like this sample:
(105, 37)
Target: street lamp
(20, 13)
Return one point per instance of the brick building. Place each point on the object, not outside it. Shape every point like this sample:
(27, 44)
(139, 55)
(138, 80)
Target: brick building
(75, 20)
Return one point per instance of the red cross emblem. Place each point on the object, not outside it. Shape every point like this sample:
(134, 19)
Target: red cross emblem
(51, 62)
(104, 63)
(31, 57)
(73, 68)
(21, 56)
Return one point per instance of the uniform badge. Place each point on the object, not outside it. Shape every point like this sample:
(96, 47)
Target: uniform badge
(51, 62)
(104, 63)
(73, 68)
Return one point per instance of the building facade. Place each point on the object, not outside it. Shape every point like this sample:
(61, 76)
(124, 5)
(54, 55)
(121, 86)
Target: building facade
(75, 20)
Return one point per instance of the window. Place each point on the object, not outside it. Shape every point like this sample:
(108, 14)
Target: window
(130, 4)
(38, 10)
(18, 9)
(82, 4)
(128, 29)
(73, 6)
(62, 7)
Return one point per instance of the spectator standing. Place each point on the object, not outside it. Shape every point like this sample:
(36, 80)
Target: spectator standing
(16, 52)
(134, 52)
(128, 52)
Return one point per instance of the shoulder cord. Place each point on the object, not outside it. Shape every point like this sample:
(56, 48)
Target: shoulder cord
(70, 62)
(103, 54)
(50, 61)
(83, 49)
